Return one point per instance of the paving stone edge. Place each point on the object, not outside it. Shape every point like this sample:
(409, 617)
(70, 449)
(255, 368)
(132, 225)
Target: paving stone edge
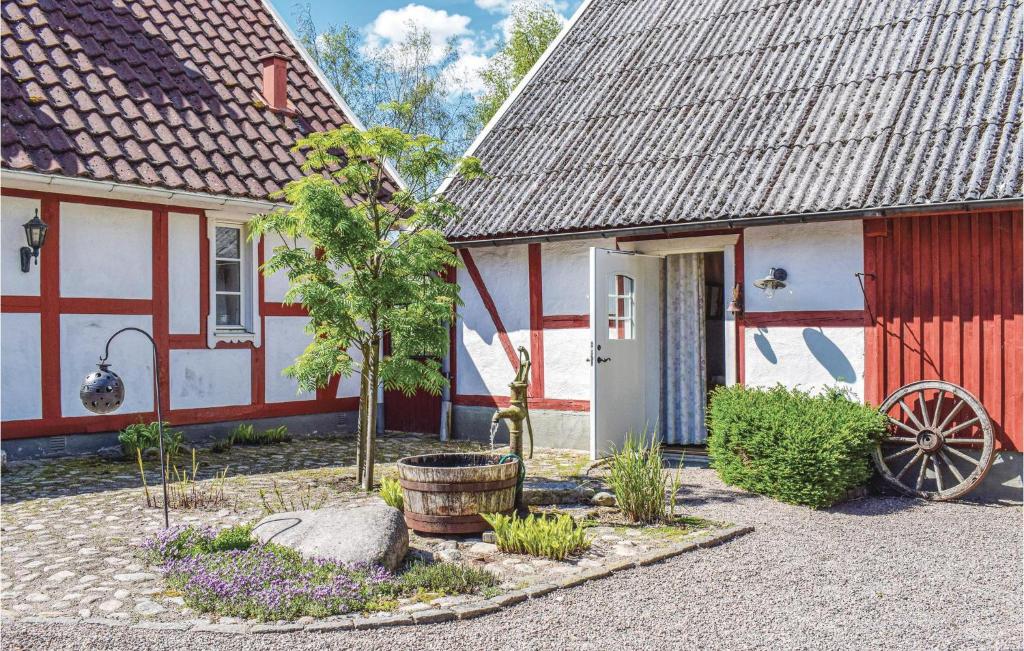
(464, 611)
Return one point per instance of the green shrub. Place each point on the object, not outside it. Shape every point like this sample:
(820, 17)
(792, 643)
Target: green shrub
(141, 437)
(246, 434)
(636, 476)
(391, 492)
(445, 578)
(791, 445)
(553, 538)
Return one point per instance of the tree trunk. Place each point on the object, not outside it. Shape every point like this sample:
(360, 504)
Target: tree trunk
(370, 450)
(364, 400)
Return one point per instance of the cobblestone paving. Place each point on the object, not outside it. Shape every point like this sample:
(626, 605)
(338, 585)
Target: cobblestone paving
(71, 527)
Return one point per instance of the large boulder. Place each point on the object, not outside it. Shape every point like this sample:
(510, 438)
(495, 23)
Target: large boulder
(373, 534)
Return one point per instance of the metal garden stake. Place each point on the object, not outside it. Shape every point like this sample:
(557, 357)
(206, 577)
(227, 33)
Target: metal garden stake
(102, 392)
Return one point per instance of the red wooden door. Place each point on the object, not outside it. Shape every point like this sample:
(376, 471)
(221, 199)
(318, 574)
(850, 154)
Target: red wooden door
(946, 303)
(419, 413)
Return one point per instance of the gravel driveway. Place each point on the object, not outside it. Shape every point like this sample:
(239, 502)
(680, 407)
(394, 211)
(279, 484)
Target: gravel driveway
(877, 572)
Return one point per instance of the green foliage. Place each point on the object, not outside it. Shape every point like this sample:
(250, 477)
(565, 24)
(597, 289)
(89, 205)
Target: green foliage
(409, 72)
(791, 445)
(371, 267)
(246, 434)
(191, 540)
(391, 492)
(637, 478)
(143, 437)
(533, 27)
(445, 579)
(551, 537)
(301, 499)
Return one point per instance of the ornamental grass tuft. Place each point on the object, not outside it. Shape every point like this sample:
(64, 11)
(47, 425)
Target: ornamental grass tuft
(637, 477)
(550, 537)
(391, 492)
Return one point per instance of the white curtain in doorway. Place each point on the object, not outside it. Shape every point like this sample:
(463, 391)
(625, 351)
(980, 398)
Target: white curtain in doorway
(684, 392)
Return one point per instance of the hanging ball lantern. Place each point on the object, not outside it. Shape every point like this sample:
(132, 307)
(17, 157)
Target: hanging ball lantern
(102, 391)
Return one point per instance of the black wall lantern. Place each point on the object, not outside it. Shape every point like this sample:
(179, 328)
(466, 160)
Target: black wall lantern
(35, 233)
(102, 392)
(776, 279)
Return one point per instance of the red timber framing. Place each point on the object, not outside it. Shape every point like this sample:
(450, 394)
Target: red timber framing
(538, 323)
(50, 305)
(944, 302)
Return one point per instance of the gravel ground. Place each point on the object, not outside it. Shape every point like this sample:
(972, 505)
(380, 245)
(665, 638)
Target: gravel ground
(878, 572)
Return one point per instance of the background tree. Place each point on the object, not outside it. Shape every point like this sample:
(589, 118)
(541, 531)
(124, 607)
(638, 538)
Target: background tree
(375, 264)
(407, 74)
(533, 27)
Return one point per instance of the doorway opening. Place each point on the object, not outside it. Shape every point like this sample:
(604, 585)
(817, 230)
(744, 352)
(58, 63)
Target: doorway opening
(693, 343)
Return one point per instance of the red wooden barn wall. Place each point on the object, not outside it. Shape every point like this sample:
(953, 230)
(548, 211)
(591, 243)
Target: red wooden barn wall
(946, 304)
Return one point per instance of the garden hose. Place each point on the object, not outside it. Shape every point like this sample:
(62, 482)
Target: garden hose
(522, 469)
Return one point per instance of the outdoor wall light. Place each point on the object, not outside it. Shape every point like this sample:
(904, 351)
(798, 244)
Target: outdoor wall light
(35, 233)
(776, 279)
(102, 392)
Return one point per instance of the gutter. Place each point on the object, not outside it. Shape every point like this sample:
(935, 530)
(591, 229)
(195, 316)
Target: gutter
(985, 205)
(152, 194)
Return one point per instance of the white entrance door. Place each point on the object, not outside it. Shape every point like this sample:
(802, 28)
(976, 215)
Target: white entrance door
(625, 356)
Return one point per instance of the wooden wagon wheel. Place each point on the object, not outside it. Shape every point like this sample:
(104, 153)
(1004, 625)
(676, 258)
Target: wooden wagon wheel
(938, 452)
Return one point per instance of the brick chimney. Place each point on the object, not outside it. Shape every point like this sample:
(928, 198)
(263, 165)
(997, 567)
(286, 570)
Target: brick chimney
(275, 80)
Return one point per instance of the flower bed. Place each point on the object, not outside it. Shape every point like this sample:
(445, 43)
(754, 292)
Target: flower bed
(228, 573)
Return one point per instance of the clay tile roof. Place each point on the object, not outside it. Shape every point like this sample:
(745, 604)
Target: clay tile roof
(146, 92)
(649, 112)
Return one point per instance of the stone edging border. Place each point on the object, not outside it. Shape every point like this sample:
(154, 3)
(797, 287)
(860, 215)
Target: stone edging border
(458, 612)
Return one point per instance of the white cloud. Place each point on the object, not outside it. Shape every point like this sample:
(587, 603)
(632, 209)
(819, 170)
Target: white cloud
(393, 25)
(505, 6)
(465, 72)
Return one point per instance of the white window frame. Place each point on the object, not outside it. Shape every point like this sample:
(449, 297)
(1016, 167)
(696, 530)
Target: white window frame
(250, 328)
(627, 317)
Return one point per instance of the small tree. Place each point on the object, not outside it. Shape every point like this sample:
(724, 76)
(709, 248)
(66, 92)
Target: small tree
(375, 265)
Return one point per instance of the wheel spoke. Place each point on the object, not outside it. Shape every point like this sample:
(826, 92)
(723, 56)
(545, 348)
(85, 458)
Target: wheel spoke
(905, 451)
(910, 413)
(938, 472)
(921, 473)
(903, 426)
(899, 439)
(926, 418)
(938, 408)
(965, 441)
(951, 415)
(962, 455)
(910, 464)
(966, 423)
(952, 467)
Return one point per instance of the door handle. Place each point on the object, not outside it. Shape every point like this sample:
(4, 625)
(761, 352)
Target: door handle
(603, 359)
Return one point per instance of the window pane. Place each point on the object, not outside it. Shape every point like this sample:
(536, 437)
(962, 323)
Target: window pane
(228, 243)
(620, 307)
(229, 310)
(229, 276)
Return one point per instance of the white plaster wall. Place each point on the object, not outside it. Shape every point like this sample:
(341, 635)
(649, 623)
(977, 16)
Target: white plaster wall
(183, 272)
(821, 259)
(20, 388)
(348, 387)
(566, 371)
(565, 270)
(14, 212)
(286, 338)
(810, 358)
(105, 252)
(210, 378)
(82, 337)
(483, 367)
(275, 286)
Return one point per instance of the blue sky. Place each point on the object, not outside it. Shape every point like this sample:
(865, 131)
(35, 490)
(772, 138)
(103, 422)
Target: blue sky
(476, 25)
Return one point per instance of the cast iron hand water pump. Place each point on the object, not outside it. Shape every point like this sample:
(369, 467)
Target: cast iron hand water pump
(518, 410)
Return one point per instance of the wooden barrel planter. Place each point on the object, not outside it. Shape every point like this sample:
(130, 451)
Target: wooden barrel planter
(446, 493)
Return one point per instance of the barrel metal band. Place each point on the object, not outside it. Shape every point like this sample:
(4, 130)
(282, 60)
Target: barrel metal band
(448, 519)
(458, 487)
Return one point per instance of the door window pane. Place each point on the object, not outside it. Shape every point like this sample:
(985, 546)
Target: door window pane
(620, 307)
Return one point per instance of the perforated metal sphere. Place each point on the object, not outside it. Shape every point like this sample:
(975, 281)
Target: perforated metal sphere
(102, 391)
